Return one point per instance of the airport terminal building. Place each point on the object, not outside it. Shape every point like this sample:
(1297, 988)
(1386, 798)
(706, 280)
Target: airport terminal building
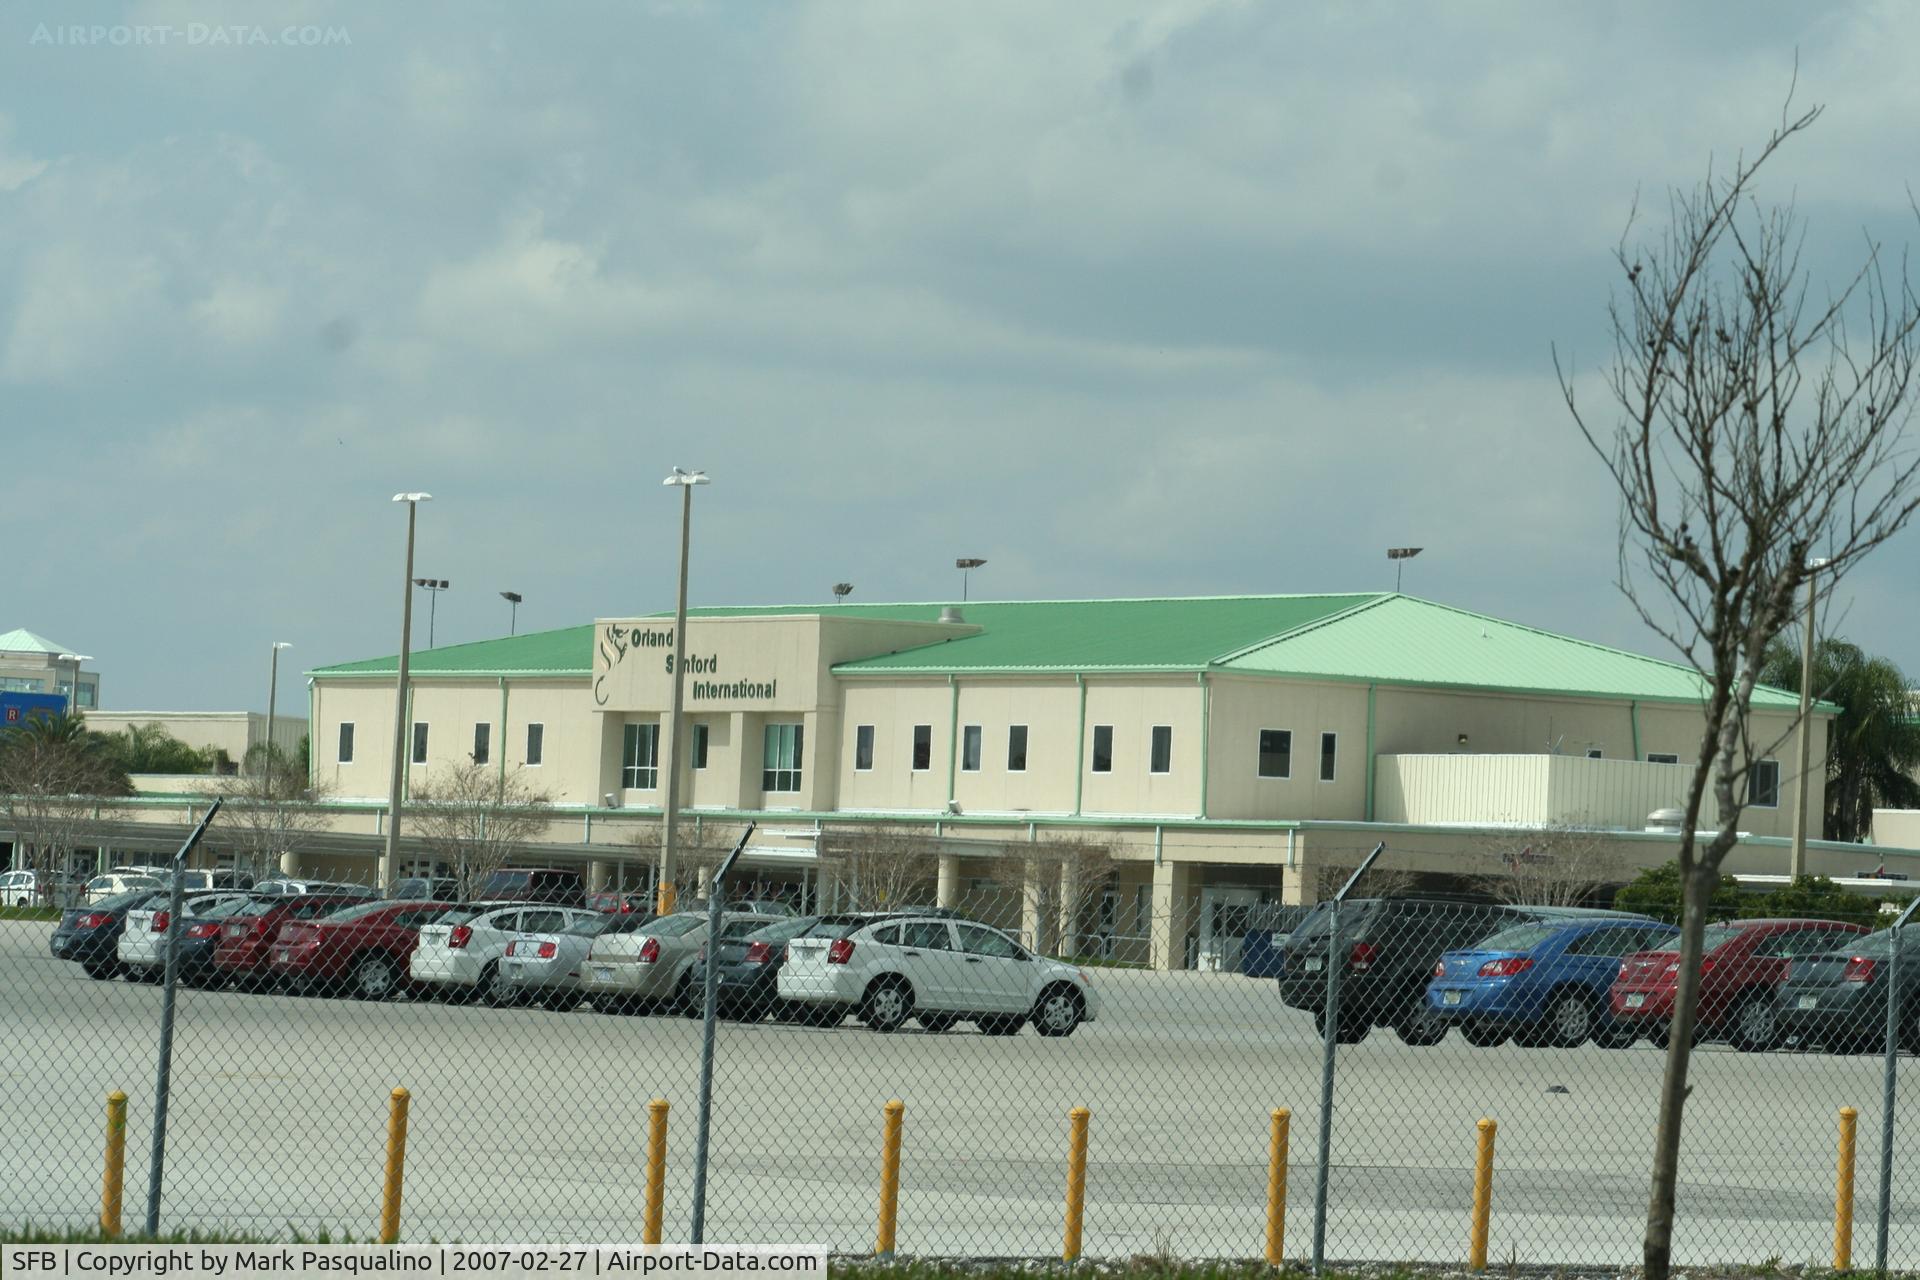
(1227, 751)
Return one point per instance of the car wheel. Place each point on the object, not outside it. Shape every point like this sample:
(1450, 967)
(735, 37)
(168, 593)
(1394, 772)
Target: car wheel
(97, 971)
(373, 978)
(1616, 1035)
(560, 999)
(1351, 1031)
(1755, 1028)
(1484, 1035)
(888, 1003)
(821, 1015)
(1569, 1020)
(487, 988)
(1418, 1025)
(686, 1001)
(999, 1026)
(1058, 1011)
(935, 1023)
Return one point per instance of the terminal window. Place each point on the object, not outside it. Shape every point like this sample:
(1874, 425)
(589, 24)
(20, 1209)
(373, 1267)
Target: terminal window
(536, 743)
(1662, 757)
(1763, 785)
(1016, 748)
(345, 754)
(1276, 753)
(922, 748)
(970, 749)
(1103, 748)
(1161, 760)
(863, 748)
(781, 763)
(482, 743)
(699, 753)
(640, 758)
(1329, 746)
(419, 742)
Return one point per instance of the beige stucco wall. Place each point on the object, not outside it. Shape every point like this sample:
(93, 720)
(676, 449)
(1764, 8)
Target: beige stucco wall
(1242, 707)
(234, 732)
(1133, 705)
(894, 707)
(1050, 709)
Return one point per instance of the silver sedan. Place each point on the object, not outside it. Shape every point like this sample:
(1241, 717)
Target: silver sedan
(652, 966)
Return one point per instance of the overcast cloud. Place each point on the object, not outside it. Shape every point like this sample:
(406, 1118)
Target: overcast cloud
(1130, 299)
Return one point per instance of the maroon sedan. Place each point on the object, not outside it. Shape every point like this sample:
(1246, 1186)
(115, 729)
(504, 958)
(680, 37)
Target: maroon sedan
(359, 950)
(1742, 964)
(241, 953)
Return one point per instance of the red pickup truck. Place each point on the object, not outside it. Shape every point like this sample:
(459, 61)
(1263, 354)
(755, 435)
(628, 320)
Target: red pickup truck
(241, 952)
(361, 951)
(1742, 964)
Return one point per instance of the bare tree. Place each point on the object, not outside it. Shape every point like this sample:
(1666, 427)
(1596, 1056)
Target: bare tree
(473, 817)
(1057, 881)
(1552, 867)
(53, 773)
(1753, 428)
(264, 818)
(877, 867)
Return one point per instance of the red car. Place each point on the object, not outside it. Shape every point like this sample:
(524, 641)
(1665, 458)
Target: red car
(620, 904)
(1742, 964)
(360, 950)
(246, 939)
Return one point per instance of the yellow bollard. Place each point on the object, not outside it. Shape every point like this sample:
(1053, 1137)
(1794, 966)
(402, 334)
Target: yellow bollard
(1843, 1194)
(1482, 1196)
(889, 1178)
(1076, 1180)
(664, 900)
(656, 1170)
(1277, 1186)
(116, 1163)
(396, 1165)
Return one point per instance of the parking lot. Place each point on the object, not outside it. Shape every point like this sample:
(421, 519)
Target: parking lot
(530, 1125)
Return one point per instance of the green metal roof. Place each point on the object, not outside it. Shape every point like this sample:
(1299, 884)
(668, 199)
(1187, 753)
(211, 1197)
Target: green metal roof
(1383, 639)
(566, 652)
(1404, 641)
(21, 640)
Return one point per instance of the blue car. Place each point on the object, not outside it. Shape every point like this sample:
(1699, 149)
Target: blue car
(1542, 983)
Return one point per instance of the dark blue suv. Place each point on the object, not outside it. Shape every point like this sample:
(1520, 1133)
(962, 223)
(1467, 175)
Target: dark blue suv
(1542, 982)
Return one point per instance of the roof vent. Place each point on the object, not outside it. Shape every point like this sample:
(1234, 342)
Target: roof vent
(950, 613)
(1667, 820)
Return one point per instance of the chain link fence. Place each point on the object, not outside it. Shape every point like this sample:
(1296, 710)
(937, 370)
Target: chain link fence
(532, 1032)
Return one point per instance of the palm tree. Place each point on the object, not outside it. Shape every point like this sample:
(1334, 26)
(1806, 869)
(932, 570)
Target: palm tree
(1873, 748)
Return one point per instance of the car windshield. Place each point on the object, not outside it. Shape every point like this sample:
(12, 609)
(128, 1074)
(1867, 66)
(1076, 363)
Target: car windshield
(836, 926)
(1353, 918)
(1716, 935)
(594, 926)
(673, 926)
(1881, 944)
(122, 901)
(507, 881)
(734, 930)
(1518, 937)
(359, 911)
(221, 908)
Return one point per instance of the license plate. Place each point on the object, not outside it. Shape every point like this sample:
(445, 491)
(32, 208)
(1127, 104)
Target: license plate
(1449, 997)
(281, 954)
(1313, 964)
(1635, 1000)
(601, 973)
(1809, 1002)
(511, 966)
(236, 931)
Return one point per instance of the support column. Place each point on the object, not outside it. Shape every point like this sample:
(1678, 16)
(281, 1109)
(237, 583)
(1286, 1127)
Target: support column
(597, 876)
(1030, 922)
(1067, 927)
(290, 862)
(947, 887)
(1173, 913)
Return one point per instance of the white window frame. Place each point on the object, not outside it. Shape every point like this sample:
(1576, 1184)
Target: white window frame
(1026, 746)
(631, 775)
(352, 740)
(913, 750)
(1325, 736)
(858, 731)
(1753, 776)
(1093, 749)
(973, 746)
(798, 767)
(1153, 745)
(1663, 757)
(420, 742)
(534, 759)
(1257, 753)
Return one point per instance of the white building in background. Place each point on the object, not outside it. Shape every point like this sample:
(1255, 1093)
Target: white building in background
(31, 663)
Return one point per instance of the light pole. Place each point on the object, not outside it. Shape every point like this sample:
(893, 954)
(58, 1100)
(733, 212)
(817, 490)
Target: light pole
(841, 590)
(391, 857)
(966, 565)
(513, 598)
(73, 694)
(664, 895)
(1399, 556)
(273, 692)
(433, 588)
(1797, 857)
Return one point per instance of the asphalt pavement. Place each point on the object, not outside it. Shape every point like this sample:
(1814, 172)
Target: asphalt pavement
(529, 1125)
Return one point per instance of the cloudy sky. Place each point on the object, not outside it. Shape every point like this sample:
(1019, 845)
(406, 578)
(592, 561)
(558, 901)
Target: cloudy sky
(1129, 299)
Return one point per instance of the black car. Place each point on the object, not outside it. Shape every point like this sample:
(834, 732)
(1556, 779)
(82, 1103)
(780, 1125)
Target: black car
(1388, 947)
(90, 935)
(425, 889)
(1839, 998)
(200, 934)
(750, 958)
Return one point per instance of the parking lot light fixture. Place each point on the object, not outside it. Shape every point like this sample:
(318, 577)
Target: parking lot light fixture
(391, 856)
(685, 480)
(966, 565)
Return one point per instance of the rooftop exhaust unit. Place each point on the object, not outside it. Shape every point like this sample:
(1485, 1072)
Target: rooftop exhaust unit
(950, 613)
(1666, 820)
